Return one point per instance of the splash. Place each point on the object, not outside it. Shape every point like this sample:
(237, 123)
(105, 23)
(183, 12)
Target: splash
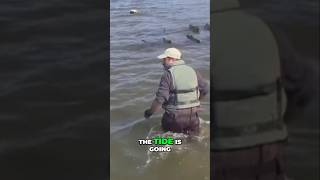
(188, 143)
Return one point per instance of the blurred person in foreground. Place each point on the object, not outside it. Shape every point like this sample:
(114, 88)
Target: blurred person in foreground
(249, 132)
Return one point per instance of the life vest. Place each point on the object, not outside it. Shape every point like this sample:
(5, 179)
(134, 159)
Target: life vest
(249, 101)
(185, 86)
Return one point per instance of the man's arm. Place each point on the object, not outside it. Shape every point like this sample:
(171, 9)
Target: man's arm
(202, 85)
(295, 72)
(155, 106)
(162, 95)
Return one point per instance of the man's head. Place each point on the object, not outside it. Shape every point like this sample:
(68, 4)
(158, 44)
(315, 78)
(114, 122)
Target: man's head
(169, 56)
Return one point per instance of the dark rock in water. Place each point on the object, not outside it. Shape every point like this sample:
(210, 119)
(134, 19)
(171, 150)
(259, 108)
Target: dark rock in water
(166, 41)
(193, 38)
(207, 27)
(133, 11)
(194, 29)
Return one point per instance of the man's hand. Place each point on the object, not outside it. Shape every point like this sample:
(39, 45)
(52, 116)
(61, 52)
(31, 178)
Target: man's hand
(147, 113)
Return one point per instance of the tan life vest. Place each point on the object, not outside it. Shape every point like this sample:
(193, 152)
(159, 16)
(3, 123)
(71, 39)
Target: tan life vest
(185, 83)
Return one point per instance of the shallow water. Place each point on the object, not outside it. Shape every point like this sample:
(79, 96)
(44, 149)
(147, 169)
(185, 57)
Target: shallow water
(135, 42)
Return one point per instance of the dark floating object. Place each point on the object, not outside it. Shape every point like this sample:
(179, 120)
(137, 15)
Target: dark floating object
(133, 11)
(207, 27)
(166, 41)
(193, 38)
(194, 29)
(143, 40)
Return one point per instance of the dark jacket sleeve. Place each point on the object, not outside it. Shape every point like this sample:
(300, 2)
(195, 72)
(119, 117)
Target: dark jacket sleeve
(294, 70)
(162, 94)
(202, 85)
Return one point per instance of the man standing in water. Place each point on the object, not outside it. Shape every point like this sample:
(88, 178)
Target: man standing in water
(180, 90)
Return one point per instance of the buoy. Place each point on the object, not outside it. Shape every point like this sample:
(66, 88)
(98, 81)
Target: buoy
(133, 11)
